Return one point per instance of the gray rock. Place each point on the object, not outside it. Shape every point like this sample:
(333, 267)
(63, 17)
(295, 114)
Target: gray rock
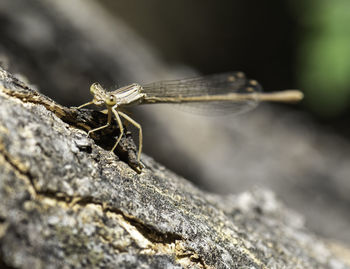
(68, 202)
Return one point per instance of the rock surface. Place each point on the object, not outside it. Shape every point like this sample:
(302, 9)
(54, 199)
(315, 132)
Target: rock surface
(68, 202)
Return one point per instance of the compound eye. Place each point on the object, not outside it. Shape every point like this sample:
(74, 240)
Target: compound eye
(111, 100)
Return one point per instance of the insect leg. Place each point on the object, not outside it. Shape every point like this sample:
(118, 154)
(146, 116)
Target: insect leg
(120, 124)
(86, 104)
(138, 126)
(104, 126)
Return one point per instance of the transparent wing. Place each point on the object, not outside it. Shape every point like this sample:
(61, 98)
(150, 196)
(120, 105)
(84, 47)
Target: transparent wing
(218, 85)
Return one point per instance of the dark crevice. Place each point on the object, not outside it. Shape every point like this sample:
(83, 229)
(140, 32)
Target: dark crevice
(4, 265)
(192, 258)
(146, 230)
(151, 234)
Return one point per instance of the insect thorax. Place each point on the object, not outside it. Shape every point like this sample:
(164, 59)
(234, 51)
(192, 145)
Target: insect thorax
(129, 94)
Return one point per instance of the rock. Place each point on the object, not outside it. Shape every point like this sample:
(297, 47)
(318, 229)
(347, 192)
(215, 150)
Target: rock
(69, 202)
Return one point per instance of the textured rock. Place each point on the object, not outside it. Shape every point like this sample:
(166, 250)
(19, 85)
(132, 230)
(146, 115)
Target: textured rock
(62, 48)
(66, 201)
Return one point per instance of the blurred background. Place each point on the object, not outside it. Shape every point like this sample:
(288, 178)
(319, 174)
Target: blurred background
(301, 152)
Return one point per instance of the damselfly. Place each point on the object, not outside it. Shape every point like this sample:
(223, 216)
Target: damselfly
(228, 93)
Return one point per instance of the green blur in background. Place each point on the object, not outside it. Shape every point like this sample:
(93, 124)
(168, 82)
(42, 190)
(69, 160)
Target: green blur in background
(324, 62)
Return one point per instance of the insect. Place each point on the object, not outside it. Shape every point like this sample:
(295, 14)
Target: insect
(213, 94)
